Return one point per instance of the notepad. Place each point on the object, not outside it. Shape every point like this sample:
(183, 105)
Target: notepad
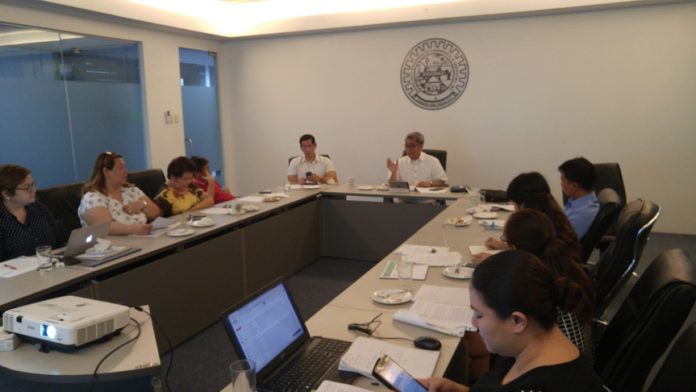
(364, 352)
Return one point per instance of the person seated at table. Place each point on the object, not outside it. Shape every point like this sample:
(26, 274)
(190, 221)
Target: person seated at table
(107, 196)
(416, 167)
(532, 231)
(311, 168)
(515, 298)
(204, 179)
(25, 223)
(578, 178)
(180, 194)
(530, 190)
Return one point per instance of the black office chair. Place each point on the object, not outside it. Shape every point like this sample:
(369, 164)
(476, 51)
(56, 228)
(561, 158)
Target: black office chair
(677, 371)
(609, 209)
(63, 202)
(646, 322)
(621, 257)
(150, 181)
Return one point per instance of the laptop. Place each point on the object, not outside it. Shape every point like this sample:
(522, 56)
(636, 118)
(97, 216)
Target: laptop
(86, 237)
(267, 329)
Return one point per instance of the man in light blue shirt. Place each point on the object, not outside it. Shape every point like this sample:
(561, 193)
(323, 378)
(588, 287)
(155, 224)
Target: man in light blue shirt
(577, 181)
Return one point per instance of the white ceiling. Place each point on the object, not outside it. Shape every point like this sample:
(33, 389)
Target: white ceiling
(248, 18)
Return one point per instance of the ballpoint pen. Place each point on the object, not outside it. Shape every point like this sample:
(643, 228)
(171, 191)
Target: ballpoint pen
(9, 266)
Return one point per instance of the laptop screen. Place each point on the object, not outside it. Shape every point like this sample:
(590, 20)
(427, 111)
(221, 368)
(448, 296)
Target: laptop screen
(265, 326)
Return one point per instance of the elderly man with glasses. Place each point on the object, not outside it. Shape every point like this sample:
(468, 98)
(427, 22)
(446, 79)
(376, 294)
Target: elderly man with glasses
(416, 167)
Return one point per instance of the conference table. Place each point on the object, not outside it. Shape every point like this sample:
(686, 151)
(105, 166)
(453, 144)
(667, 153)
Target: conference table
(189, 281)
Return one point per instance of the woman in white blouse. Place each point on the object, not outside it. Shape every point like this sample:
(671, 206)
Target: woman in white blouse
(108, 197)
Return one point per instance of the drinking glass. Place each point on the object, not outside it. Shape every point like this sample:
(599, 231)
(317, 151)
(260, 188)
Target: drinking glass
(243, 375)
(43, 255)
(405, 270)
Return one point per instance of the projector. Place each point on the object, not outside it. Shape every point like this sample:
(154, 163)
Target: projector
(66, 323)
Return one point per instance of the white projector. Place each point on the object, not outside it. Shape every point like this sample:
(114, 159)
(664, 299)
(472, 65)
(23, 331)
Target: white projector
(66, 323)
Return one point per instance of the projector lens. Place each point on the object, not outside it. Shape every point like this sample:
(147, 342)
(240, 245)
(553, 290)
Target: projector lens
(48, 331)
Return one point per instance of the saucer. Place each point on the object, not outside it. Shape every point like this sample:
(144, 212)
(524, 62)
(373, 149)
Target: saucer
(180, 232)
(392, 296)
(271, 199)
(250, 208)
(382, 188)
(462, 273)
(459, 221)
(486, 215)
(311, 186)
(365, 188)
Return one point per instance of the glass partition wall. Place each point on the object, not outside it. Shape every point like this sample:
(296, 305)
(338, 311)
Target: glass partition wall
(65, 98)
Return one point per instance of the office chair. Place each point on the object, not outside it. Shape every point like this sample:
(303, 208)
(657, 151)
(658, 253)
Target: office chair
(150, 181)
(677, 371)
(63, 202)
(609, 209)
(647, 321)
(621, 257)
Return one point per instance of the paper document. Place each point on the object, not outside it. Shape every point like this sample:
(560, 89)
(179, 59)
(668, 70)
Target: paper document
(443, 309)
(439, 259)
(364, 352)
(18, 266)
(435, 190)
(332, 386)
(476, 249)
(407, 249)
(504, 207)
(279, 194)
(390, 271)
(216, 211)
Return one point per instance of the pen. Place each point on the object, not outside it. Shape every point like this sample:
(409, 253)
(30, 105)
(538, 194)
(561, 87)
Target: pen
(9, 266)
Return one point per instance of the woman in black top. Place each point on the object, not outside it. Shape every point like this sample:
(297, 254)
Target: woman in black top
(24, 222)
(515, 298)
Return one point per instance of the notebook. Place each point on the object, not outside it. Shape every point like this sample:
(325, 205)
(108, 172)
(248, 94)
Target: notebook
(267, 329)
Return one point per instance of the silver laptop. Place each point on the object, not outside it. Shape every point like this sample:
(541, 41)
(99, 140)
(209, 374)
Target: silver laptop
(84, 238)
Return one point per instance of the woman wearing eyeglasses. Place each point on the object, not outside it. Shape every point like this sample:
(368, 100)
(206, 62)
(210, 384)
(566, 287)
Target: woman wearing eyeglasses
(24, 222)
(108, 197)
(181, 195)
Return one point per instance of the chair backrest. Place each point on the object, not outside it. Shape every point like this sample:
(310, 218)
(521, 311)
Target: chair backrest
(609, 176)
(647, 321)
(293, 157)
(150, 181)
(677, 371)
(619, 260)
(63, 202)
(609, 209)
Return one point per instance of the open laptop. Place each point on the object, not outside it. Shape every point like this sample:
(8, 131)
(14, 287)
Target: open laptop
(267, 329)
(84, 238)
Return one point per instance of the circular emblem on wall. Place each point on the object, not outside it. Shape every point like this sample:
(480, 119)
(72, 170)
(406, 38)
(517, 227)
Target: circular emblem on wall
(434, 73)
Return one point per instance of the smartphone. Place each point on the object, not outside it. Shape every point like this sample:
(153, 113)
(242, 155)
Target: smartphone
(395, 377)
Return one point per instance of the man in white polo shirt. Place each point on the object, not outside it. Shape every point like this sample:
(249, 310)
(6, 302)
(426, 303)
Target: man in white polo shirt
(311, 168)
(416, 167)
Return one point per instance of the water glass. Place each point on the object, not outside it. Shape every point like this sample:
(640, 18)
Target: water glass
(243, 375)
(475, 197)
(43, 255)
(351, 182)
(405, 271)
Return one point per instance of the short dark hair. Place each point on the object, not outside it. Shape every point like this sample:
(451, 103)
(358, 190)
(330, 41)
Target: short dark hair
(517, 281)
(581, 171)
(307, 136)
(528, 186)
(200, 162)
(180, 165)
(11, 176)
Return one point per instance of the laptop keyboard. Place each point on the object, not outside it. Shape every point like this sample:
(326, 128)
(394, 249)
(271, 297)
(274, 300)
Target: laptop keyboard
(305, 370)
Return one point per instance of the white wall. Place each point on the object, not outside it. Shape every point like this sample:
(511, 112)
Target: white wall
(160, 61)
(616, 85)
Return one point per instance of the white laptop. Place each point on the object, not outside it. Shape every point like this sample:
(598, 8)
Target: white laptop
(86, 237)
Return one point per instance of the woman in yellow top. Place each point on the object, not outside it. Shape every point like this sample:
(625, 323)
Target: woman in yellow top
(180, 195)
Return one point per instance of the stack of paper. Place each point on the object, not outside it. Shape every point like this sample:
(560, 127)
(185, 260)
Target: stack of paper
(476, 249)
(391, 271)
(443, 309)
(364, 352)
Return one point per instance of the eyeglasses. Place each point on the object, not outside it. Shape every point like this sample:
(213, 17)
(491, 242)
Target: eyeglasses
(413, 145)
(27, 187)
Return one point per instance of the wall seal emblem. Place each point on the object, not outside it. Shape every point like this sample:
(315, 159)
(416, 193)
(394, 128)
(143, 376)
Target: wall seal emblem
(434, 73)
